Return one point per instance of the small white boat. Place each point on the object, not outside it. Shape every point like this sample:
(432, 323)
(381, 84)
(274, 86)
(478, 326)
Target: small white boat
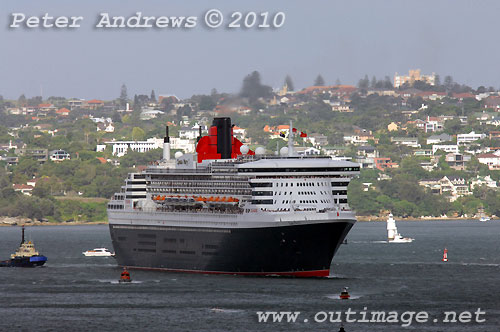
(392, 232)
(98, 252)
(485, 218)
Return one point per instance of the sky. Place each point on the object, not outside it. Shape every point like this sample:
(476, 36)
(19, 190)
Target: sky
(338, 39)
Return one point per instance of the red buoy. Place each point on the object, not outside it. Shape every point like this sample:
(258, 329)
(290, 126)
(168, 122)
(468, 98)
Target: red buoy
(445, 255)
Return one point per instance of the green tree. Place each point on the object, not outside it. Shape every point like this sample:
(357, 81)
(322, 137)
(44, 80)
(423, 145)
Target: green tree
(138, 134)
(21, 100)
(27, 166)
(364, 83)
(289, 83)
(207, 103)
(319, 81)
(253, 89)
(123, 96)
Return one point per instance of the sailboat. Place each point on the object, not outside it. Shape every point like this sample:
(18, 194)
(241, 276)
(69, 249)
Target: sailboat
(482, 215)
(392, 232)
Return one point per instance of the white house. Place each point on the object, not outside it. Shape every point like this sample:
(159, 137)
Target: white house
(434, 139)
(463, 139)
(480, 181)
(408, 141)
(490, 159)
(445, 148)
(100, 147)
(148, 113)
(120, 148)
(59, 155)
(307, 151)
(187, 145)
(240, 133)
(191, 133)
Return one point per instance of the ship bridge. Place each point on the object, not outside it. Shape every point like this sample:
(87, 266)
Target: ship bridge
(296, 184)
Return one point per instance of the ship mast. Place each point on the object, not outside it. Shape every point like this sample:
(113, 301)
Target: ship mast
(166, 145)
(290, 140)
(22, 236)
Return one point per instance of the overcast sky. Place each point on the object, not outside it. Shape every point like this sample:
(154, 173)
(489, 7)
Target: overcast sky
(338, 39)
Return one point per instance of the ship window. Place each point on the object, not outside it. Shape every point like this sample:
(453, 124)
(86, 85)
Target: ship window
(262, 201)
(149, 236)
(211, 246)
(146, 250)
(265, 184)
(169, 251)
(187, 252)
(204, 253)
(146, 243)
(168, 240)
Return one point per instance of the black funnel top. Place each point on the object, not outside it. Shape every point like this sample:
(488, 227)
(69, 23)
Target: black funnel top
(166, 139)
(224, 137)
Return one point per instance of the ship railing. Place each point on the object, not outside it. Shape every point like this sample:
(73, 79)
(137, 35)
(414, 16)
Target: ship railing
(155, 170)
(193, 211)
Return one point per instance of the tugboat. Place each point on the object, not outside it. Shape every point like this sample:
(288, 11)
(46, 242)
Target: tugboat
(344, 295)
(25, 256)
(125, 276)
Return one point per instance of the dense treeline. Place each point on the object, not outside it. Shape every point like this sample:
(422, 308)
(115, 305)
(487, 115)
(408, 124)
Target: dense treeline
(402, 196)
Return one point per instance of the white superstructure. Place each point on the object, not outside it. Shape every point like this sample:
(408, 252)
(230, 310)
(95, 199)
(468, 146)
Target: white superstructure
(392, 232)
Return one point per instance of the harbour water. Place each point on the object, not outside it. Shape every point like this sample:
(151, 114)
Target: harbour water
(76, 293)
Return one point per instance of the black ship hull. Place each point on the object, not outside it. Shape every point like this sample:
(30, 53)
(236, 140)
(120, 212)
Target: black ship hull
(293, 250)
(32, 261)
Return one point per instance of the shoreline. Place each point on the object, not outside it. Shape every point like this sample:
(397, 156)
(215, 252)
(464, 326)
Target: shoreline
(5, 222)
(378, 218)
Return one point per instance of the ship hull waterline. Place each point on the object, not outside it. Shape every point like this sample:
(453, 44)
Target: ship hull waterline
(304, 250)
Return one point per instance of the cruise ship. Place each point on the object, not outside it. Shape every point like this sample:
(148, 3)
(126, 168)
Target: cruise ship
(229, 210)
